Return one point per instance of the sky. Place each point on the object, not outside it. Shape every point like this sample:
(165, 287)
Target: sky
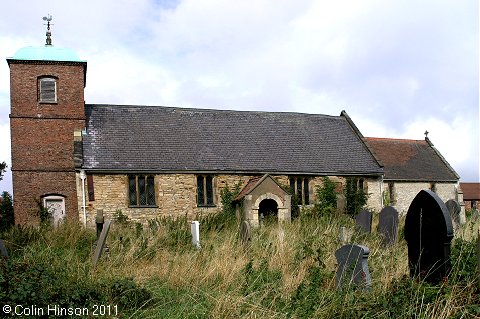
(398, 67)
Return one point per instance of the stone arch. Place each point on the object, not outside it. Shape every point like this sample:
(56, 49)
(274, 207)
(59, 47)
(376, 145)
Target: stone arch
(268, 196)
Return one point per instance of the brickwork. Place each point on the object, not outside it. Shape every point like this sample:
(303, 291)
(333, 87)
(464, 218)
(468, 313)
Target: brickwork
(29, 188)
(42, 135)
(24, 94)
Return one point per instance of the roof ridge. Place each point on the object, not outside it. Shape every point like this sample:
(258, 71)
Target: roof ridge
(393, 139)
(209, 109)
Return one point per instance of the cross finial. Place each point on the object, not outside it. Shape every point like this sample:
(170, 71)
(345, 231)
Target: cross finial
(48, 18)
(426, 133)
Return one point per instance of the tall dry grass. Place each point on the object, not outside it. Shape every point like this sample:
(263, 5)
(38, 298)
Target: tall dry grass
(287, 270)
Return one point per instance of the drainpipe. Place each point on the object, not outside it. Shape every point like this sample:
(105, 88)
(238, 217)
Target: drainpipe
(381, 192)
(83, 176)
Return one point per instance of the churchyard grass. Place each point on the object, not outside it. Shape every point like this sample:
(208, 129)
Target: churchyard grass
(286, 271)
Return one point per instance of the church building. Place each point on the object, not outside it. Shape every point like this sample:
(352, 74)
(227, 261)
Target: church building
(74, 158)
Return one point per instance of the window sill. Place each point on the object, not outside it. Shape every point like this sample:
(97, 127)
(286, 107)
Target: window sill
(47, 102)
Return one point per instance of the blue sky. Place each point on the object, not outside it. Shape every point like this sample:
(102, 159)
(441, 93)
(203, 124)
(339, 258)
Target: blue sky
(397, 67)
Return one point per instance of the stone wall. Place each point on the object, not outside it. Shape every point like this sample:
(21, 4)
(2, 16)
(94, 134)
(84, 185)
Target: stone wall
(176, 195)
(405, 192)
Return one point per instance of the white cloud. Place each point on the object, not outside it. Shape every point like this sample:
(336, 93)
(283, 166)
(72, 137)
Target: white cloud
(397, 68)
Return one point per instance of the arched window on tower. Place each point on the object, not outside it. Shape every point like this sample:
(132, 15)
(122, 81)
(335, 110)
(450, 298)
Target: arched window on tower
(47, 89)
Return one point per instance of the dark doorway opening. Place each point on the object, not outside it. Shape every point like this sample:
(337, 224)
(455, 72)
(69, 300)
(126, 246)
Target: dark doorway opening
(268, 210)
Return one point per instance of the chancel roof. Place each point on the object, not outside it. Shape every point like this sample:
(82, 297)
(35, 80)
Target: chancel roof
(166, 139)
(411, 160)
(471, 191)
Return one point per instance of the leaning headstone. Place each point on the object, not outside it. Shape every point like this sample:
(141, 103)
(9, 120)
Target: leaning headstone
(99, 220)
(195, 228)
(353, 267)
(454, 208)
(428, 232)
(364, 221)
(3, 249)
(388, 225)
(101, 242)
(245, 233)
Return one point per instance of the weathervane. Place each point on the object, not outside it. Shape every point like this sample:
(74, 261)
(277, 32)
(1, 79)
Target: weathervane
(48, 18)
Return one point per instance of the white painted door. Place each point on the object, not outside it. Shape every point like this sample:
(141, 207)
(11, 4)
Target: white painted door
(56, 208)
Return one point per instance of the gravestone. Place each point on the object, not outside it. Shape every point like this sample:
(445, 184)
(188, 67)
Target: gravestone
(99, 220)
(245, 233)
(195, 228)
(3, 249)
(428, 232)
(341, 203)
(454, 209)
(101, 242)
(388, 225)
(364, 221)
(345, 235)
(353, 267)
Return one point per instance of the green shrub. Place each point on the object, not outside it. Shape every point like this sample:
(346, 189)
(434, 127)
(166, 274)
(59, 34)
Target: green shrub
(355, 197)
(326, 198)
(125, 293)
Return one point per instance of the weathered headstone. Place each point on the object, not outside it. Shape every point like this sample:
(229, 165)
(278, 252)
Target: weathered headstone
(454, 209)
(353, 267)
(99, 220)
(428, 232)
(345, 235)
(364, 221)
(245, 233)
(388, 225)
(195, 228)
(3, 249)
(101, 242)
(341, 203)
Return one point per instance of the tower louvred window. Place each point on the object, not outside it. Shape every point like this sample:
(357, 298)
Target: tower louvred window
(48, 90)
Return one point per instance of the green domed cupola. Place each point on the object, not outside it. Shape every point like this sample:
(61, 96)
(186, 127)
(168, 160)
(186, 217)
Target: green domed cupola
(48, 52)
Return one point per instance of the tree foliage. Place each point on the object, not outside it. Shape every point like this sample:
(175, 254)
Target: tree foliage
(6, 212)
(3, 169)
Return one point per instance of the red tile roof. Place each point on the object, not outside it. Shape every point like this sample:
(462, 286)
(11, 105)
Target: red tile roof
(471, 191)
(412, 160)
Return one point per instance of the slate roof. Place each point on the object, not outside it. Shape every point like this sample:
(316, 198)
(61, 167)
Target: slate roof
(411, 160)
(165, 139)
(471, 191)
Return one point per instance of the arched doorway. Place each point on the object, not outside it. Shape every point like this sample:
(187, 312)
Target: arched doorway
(268, 210)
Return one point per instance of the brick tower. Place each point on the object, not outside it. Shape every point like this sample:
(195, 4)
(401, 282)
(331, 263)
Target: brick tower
(47, 109)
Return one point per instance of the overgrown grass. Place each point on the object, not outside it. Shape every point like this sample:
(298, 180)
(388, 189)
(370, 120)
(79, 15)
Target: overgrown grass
(287, 271)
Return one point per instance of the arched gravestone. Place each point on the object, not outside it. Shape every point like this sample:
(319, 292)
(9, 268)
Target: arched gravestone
(428, 232)
(364, 221)
(388, 225)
